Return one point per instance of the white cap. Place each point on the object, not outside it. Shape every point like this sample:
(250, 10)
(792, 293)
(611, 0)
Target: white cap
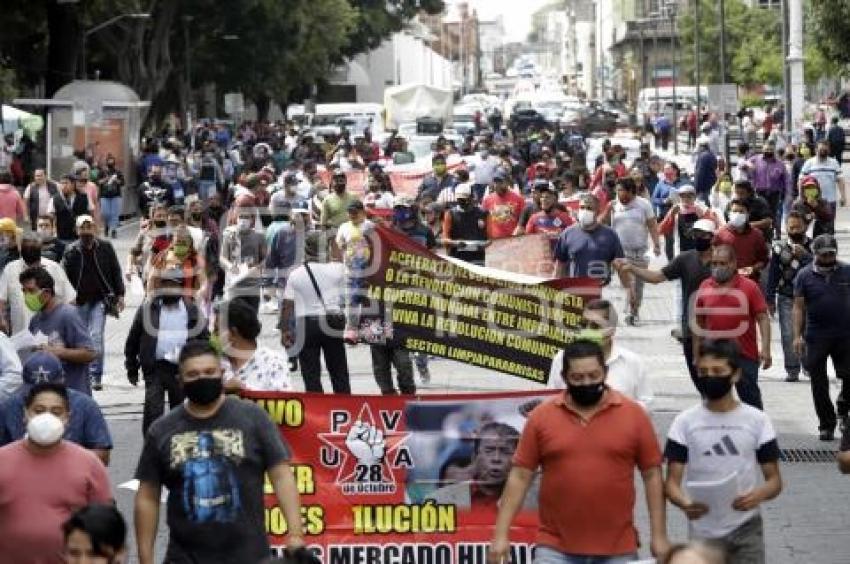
(686, 189)
(463, 190)
(703, 140)
(705, 225)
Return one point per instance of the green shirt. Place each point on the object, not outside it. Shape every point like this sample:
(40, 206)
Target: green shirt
(335, 209)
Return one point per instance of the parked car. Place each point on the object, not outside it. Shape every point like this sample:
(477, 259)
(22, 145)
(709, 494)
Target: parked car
(524, 117)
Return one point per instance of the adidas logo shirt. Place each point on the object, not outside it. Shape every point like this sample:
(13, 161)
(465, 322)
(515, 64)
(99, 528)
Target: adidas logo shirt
(713, 446)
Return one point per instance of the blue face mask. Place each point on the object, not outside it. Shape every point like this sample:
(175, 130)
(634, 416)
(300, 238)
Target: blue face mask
(402, 215)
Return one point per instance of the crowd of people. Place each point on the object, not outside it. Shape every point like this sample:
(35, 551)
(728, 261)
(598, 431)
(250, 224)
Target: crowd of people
(266, 220)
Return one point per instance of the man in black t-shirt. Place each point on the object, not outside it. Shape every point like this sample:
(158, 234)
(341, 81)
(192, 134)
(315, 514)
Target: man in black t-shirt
(211, 454)
(691, 267)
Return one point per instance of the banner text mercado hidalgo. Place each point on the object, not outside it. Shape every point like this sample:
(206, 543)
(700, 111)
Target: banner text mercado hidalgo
(398, 480)
(436, 306)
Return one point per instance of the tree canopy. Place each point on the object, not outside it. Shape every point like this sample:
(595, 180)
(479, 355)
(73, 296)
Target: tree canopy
(753, 44)
(271, 50)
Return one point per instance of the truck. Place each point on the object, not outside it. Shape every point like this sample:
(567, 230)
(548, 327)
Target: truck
(406, 103)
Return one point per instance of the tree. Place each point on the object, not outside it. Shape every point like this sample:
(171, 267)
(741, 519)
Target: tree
(283, 46)
(828, 25)
(753, 43)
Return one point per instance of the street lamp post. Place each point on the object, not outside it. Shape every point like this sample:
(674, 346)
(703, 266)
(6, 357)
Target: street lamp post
(723, 79)
(696, 55)
(107, 23)
(671, 11)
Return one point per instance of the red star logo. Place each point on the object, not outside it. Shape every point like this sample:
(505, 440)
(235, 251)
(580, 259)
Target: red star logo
(392, 440)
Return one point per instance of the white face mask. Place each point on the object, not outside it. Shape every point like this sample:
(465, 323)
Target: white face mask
(244, 224)
(45, 233)
(45, 429)
(737, 219)
(586, 218)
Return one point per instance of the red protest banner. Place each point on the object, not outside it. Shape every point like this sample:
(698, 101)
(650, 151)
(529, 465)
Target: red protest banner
(392, 479)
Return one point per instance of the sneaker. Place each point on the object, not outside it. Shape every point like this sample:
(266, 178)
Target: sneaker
(293, 364)
(424, 374)
(676, 333)
(114, 233)
(96, 386)
(792, 378)
(631, 319)
(842, 424)
(827, 435)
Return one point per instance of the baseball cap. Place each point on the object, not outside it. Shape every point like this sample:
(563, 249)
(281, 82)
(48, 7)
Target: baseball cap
(686, 189)
(403, 202)
(703, 140)
(542, 186)
(500, 174)
(8, 224)
(85, 218)
(463, 190)
(43, 367)
(705, 225)
(171, 275)
(824, 244)
(355, 205)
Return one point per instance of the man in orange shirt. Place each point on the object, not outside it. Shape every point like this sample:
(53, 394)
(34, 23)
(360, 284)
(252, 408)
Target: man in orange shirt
(504, 207)
(587, 493)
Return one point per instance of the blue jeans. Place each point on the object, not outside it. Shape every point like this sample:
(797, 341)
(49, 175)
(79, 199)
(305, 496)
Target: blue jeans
(546, 555)
(784, 309)
(748, 386)
(94, 318)
(110, 210)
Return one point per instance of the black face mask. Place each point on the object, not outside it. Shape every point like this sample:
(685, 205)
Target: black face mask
(159, 224)
(797, 237)
(30, 255)
(826, 264)
(702, 244)
(171, 300)
(216, 211)
(586, 395)
(197, 216)
(203, 391)
(715, 387)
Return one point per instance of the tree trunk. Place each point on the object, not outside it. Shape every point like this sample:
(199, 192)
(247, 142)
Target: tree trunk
(263, 103)
(63, 48)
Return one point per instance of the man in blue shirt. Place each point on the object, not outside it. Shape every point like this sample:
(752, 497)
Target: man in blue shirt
(67, 336)
(705, 170)
(821, 331)
(86, 425)
(588, 249)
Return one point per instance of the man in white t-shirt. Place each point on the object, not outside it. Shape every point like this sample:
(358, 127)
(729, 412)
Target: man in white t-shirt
(313, 295)
(11, 293)
(626, 371)
(633, 219)
(723, 441)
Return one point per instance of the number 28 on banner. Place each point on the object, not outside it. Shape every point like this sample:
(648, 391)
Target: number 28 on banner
(365, 451)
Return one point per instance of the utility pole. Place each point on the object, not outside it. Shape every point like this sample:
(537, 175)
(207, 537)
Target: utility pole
(723, 79)
(696, 56)
(786, 77)
(795, 62)
(671, 8)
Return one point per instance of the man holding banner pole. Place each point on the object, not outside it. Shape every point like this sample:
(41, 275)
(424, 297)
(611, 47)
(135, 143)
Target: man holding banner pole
(586, 500)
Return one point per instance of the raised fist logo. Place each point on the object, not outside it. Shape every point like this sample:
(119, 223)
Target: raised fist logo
(366, 443)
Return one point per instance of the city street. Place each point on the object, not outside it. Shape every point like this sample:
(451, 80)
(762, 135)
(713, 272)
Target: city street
(803, 525)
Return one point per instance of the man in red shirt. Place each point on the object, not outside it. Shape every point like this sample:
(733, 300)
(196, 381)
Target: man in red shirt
(504, 207)
(43, 479)
(587, 490)
(730, 306)
(11, 203)
(750, 247)
(549, 219)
